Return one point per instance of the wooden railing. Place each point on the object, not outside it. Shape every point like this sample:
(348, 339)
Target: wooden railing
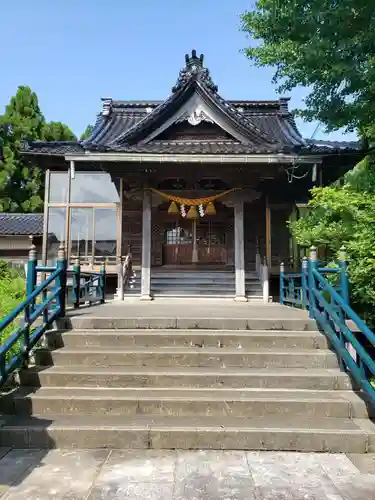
(125, 273)
(328, 303)
(23, 327)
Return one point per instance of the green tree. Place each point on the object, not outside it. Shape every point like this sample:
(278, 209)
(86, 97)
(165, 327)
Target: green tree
(57, 131)
(329, 47)
(87, 132)
(345, 216)
(324, 45)
(20, 183)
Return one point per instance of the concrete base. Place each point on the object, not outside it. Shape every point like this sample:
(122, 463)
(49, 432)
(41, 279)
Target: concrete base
(146, 298)
(240, 299)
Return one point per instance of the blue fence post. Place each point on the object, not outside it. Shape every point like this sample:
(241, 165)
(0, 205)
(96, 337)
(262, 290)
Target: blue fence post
(313, 264)
(344, 280)
(304, 273)
(31, 279)
(102, 283)
(282, 272)
(76, 292)
(61, 278)
(31, 274)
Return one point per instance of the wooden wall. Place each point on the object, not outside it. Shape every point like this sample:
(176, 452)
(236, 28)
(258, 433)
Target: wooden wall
(132, 228)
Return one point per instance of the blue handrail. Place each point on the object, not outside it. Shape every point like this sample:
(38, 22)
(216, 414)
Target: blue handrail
(329, 306)
(45, 303)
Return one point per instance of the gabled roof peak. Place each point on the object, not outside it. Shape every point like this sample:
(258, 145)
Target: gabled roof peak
(194, 70)
(194, 60)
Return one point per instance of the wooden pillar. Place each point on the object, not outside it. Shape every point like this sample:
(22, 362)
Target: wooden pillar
(119, 217)
(239, 251)
(194, 258)
(146, 247)
(68, 211)
(45, 218)
(268, 235)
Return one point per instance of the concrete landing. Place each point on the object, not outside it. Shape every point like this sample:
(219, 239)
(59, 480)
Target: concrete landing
(174, 475)
(189, 308)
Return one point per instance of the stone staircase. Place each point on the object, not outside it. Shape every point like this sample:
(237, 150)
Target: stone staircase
(194, 283)
(208, 382)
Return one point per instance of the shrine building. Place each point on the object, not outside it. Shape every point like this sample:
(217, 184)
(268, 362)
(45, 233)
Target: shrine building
(194, 183)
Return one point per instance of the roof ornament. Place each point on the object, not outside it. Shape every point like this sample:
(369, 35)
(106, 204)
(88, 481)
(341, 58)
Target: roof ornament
(194, 69)
(107, 106)
(198, 116)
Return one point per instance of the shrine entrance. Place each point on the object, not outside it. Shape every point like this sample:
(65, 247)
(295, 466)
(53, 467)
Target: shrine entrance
(201, 242)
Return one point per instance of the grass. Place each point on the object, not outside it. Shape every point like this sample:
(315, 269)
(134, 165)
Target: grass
(12, 292)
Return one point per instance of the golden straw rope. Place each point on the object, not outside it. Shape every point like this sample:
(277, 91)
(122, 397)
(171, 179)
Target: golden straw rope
(192, 202)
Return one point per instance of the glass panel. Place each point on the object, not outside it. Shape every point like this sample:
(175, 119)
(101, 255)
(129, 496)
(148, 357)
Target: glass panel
(56, 232)
(105, 222)
(93, 187)
(58, 187)
(81, 233)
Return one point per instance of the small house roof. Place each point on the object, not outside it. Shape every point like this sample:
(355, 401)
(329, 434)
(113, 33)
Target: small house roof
(21, 224)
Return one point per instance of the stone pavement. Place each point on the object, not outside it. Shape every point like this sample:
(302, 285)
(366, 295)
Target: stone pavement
(167, 475)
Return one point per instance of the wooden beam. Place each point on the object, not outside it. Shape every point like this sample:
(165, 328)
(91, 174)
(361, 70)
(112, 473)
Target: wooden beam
(45, 218)
(119, 250)
(268, 234)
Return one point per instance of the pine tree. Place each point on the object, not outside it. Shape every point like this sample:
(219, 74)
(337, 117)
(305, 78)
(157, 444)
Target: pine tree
(87, 132)
(57, 131)
(21, 185)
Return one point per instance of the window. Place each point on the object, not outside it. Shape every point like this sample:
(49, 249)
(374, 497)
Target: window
(178, 236)
(105, 227)
(94, 187)
(56, 231)
(81, 232)
(58, 187)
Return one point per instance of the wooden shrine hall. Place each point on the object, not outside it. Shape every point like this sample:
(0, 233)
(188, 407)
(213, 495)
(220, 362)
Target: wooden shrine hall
(193, 183)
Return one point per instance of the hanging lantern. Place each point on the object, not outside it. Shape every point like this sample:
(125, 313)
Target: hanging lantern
(192, 213)
(173, 209)
(210, 209)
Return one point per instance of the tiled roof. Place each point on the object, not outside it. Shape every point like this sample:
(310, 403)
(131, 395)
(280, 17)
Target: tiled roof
(261, 126)
(220, 147)
(21, 224)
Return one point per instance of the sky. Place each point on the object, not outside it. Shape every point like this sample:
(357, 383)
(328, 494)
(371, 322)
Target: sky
(74, 52)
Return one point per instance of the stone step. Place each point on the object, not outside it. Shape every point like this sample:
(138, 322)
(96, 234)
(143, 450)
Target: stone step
(188, 338)
(181, 402)
(334, 435)
(178, 377)
(195, 274)
(180, 356)
(88, 322)
(192, 280)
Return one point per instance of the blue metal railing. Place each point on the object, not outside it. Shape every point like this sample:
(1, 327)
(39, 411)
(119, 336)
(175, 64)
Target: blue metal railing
(44, 304)
(328, 304)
